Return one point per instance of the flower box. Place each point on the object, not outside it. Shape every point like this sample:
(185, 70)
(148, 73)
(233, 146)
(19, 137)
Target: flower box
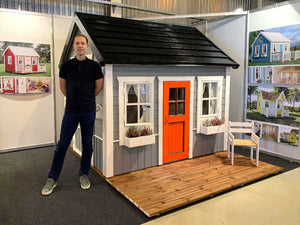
(212, 129)
(139, 141)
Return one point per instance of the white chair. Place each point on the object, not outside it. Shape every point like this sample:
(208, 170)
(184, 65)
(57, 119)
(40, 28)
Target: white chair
(242, 127)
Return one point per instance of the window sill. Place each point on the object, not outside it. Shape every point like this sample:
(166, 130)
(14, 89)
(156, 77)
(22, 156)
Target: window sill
(212, 129)
(139, 141)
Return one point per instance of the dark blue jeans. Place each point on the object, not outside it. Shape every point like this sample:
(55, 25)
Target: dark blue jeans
(68, 127)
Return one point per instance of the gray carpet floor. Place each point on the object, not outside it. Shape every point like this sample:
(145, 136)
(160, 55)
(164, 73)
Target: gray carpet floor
(24, 173)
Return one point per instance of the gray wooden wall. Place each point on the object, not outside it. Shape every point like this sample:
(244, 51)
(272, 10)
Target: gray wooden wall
(131, 159)
(125, 159)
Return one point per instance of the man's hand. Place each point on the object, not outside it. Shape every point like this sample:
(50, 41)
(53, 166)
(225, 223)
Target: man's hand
(63, 86)
(98, 86)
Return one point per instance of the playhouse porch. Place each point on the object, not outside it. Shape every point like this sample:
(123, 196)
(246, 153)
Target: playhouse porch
(159, 189)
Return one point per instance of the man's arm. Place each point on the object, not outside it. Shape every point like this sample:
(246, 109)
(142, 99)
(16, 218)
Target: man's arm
(98, 86)
(63, 86)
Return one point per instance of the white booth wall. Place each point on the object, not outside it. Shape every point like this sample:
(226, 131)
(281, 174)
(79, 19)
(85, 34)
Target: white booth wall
(61, 26)
(230, 36)
(26, 120)
(29, 120)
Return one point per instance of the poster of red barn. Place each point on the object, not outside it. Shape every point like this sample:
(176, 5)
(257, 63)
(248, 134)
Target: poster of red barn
(20, 61)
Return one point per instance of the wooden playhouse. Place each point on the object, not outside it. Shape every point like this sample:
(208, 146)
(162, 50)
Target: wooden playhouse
(166, 78)
(22, 60)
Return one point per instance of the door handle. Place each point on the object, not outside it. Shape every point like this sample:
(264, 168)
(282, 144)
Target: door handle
(166, 120)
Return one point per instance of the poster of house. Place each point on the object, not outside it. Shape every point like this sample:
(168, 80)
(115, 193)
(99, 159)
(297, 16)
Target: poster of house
(276, 132)
(278, 105)
(276, 112)
(275, 46)
(22, 61)
(283, 74)
(289, 135)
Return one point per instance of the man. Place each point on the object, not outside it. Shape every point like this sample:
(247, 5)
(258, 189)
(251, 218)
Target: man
(80, 80)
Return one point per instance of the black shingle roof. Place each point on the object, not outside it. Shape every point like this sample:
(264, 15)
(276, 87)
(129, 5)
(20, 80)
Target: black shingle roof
(124, 41)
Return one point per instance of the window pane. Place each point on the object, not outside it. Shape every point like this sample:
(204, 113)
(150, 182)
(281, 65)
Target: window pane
(132, 93)
(145, 93)
(172, 109)
(181, 93)
(132, 114)
(213, 107)
(145, 114)
(205, 107)
(173, 94)
(213, 89)
(205, 90)
(181, 108)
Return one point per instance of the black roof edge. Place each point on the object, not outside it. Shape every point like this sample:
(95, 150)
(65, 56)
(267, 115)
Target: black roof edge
(68, 44)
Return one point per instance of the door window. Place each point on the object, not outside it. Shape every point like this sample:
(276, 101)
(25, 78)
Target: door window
(176, 101)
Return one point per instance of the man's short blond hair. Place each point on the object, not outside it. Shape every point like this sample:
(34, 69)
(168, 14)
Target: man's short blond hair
(81, 35)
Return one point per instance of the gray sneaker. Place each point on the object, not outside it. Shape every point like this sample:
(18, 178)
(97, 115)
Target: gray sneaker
(49, 187)
(85, 182)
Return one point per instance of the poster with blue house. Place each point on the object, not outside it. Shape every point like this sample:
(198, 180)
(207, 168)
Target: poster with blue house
(275, 46)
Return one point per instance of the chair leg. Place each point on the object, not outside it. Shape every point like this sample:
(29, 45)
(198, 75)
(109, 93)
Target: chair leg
(257, 155)
(232, 154)
(228, 151)
(251, 153)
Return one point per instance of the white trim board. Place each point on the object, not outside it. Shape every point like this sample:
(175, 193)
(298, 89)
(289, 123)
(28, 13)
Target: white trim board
(161, 80)
(108, 122)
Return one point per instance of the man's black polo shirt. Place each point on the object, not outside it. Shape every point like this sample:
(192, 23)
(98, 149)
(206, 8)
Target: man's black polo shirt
(80, 78)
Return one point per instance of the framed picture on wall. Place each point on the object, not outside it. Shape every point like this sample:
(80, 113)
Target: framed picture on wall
(28, 61)
(275, 46)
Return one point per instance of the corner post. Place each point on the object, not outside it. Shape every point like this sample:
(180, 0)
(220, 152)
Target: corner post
(108, 153)
(227, 99)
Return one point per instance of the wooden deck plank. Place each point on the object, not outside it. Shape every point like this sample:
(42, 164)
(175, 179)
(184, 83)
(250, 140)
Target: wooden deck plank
(159, 189)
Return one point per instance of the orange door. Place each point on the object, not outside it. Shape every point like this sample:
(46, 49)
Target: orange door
(176, 115)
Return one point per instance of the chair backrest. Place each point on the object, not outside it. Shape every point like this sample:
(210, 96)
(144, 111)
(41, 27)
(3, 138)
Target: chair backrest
(240, 127)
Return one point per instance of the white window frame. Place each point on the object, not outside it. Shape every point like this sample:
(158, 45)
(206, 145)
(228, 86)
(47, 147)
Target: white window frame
(268, 76)
(256, 51)
(22, 59)
(9, 60)
(264, 53)
(34, 62)
(275, 48)
(201, 81)
(268, 104)
(257, 74)
(286, 47)
(278, 105)
(123, 81)
(138, 104)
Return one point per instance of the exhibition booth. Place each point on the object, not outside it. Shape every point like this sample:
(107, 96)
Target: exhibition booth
(169, 93)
